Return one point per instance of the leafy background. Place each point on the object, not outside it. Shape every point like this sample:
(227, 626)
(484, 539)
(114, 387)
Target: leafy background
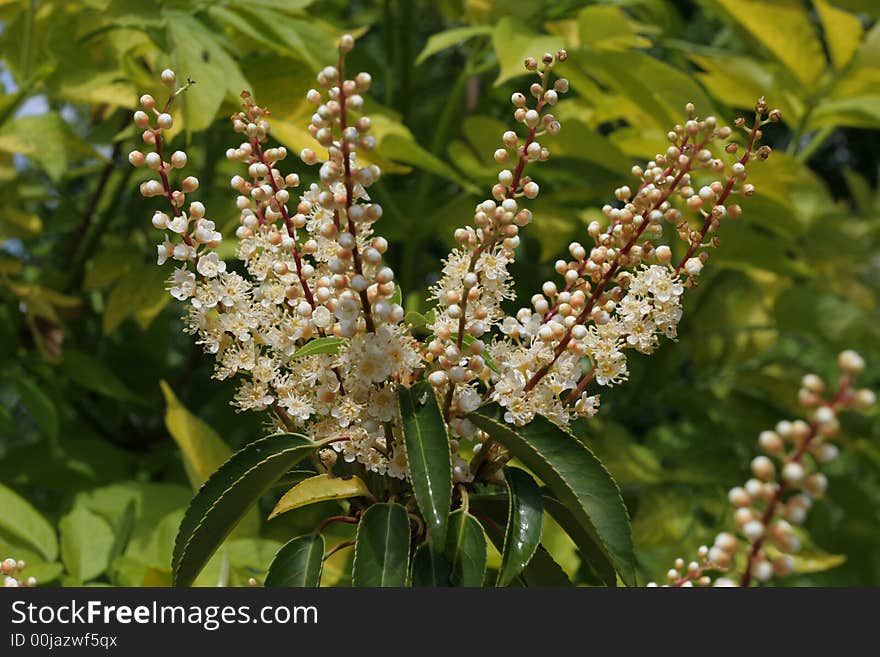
(109, 417)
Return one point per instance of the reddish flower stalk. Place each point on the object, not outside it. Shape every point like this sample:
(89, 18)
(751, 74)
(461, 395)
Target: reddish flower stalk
(772, 501)
(349, 194)
(491, 239)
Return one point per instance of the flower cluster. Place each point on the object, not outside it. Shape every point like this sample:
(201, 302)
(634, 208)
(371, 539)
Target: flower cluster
(312, 325)
(786, 481)
(314, 271)
(11, 570)
(621, 291)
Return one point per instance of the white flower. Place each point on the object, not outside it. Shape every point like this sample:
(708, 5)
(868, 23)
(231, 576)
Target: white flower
(182, 284)
(693, 266)
(234, 289)
(397, 466)
(661, 283)
(468, 399)
(587, 405)
(298, 408)
(178, 224)
(210, 265)
(164, 251)
(492, 265)
(253, 397)
(611, 369)
(322, 317)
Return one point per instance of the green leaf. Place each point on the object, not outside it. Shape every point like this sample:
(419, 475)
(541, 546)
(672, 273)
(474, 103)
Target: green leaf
(301, 36)
(22, 521)
(397, 297)
(140, 294)
(574, 475)
(92, 374)
(513, 41)
(328, 345)
(395, 142)
(40, 406)
(428, 455)
(525, 518)
(86, 544)
(122, 531)
(417, 320)
(738, 81)
(381, 553)
(785, 29)
(443, 40)
(203, 449)
(542, 569)
(609, 28)
(465, 550)
(227, 495)
(430, 568)
(320, 488)
(44, 572)
(585, 539)
(48, 140)
(201, 56)
(298, 563)
(644, 82)
(862, 74)
(843, 32)
(18, 223)
(856, 111)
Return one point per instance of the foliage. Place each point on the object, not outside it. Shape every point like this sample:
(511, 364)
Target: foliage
(98, 462)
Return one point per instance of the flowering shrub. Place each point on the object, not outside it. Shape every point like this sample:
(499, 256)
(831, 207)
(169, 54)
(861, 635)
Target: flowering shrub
(312, 324)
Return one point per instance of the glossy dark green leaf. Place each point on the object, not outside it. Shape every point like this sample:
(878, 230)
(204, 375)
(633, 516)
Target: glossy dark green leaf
(542, 569)
(427, 451)
(574, 476)
(226, 497)
(525, 519)
(381, 554)
(298, 563)
(430, 568)
(585, 538)
(465, 550)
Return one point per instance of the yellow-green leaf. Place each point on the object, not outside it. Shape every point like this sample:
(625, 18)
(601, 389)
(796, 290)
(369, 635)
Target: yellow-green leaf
(738, 81)
(86, 544)
(810, 558)
(203, 449)
(20, 520)
(513, 41)
(320, 488)
(201, 56)
(862, 77)
(784, 28)
(443, 40)
(605, 27)
(328, 345)
(843, 32)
